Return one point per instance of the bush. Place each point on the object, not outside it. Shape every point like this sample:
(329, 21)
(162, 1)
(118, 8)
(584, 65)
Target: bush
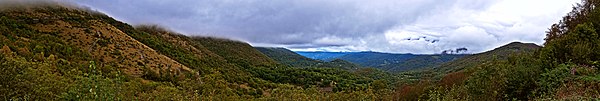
(552, 79)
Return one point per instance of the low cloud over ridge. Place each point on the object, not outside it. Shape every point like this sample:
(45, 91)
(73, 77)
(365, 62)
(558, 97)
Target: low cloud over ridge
(397, 26)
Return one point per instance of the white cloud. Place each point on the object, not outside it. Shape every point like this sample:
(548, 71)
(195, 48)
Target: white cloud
(481, 29)
(351, 25)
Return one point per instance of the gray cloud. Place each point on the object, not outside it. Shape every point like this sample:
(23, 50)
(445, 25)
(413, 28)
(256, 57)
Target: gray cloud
(349, 25)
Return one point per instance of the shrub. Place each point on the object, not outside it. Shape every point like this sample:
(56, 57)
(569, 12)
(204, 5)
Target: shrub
(552, 79)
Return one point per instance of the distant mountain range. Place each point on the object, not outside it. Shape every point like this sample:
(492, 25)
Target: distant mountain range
(386, 61)
(325, 56)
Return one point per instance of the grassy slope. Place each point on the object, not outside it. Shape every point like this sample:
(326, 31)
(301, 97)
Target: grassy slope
(88, 33)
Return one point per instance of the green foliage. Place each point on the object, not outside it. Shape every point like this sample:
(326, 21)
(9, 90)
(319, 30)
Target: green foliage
(340, 80)
(15, 71)
(379, 85)
(488, 83)
(292, 59)
(44, 67)
(582, 13)
(28, 80)
(287, 57)
(578, 46)
(501, 80)
(592, 78)
(420, 62)
(38, 42)
(524, 72)
(169, 49)
(93, 85)
(235, 52)
(565, 69)
(552, 79)
(514, 77)
(574, 39)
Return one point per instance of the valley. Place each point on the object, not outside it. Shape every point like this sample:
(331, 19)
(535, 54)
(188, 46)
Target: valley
(56, 51)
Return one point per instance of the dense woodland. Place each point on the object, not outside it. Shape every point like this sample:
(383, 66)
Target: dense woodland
(292, 59)
(60, 52)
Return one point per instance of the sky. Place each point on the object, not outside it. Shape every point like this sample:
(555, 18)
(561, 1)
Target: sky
(394, 26)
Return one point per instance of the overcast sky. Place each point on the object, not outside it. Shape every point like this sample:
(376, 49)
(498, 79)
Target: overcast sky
(396, 26)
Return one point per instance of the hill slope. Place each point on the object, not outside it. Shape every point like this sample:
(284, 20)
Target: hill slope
(501, 53)
(290, 58)
(56, 52)
(478, 71)
(287, 57)
(53, 28)
(421, 61)
(471, 61)
(236, 52)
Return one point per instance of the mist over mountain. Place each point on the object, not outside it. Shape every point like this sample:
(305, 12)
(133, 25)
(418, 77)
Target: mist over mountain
(390, 26)
(337, 50)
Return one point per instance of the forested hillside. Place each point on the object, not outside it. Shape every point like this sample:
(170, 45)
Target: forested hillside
(420, 62)
(292, 59)
(287, 57)
(236, 52)
(57, 51)
(500, 53)
(52, 51)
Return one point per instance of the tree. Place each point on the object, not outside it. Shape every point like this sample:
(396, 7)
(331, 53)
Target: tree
(578, 46)
(379, 84)
(580, 14)
(574, 39)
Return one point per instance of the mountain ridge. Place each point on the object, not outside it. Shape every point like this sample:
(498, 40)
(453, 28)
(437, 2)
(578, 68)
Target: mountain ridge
(95, 57)
(64, 53)
(390, 62)
(293, 59)
(501, 52)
